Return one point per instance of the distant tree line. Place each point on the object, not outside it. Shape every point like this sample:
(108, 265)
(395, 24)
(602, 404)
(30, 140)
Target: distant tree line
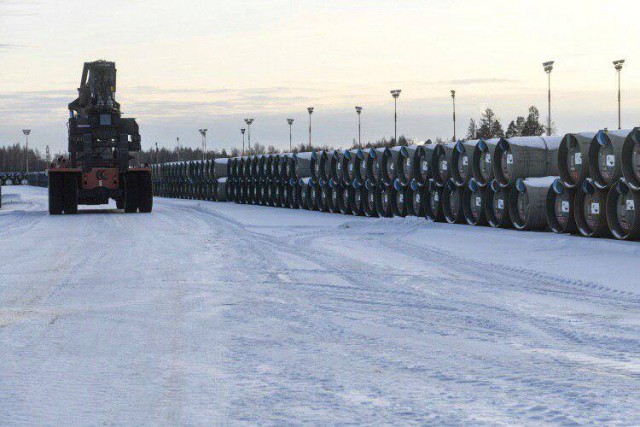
(13, 158)
(489, 126)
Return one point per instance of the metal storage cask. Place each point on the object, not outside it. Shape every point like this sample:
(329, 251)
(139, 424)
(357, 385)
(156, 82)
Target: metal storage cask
(623, 221)
(527, 203)
(560, 208)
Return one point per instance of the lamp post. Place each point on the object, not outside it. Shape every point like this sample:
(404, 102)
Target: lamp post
(26, 135)
(203, 132)
(359, 111)
(310, 110)
(248, 122)
(396, 94)
(548, 67)
(453, 96)
(178, 147)
(290, 121)
(242, 132)
(618, 65)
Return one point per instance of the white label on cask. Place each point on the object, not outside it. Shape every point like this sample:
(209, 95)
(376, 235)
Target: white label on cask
(465, 161)
(425, 166)
(565, 206)
(408, 163)
(595, 208)
(611, 160)
(631, 205)
(578, 158)
(401, 198)
(436, 197)
(500, 204)
(418, 198)
(487, 158)
(509, 159)
(444, 166)
(478, 200)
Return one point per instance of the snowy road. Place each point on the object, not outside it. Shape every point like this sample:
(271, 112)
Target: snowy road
(206, 312)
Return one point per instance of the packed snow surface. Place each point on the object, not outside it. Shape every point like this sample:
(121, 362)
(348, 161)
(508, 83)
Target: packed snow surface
(214, 312)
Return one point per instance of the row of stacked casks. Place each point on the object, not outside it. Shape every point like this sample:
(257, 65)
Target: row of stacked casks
(585, 183)
(37, 179)
(199, 179)
(12, 178)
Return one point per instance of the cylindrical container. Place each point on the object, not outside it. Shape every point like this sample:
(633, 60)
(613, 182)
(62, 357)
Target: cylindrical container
(359, 199)
(405, 164)
(373, 196)
(248, 163)
(353, 166)
(301, 192)
(294, 200)
(631, 159)
(374, 172)
(222, 191)
(621, 211)
(495, 205)
(321, 196)
(441, 166)
(344, 202)
(362, 166)
(262, 165)
(418, 198)
(473, 203)
(560, 208)
(287, 167)
(452, 203)
(424, 159)
(527, 203)
(275, 167)
(319, 159)
(326, 197)
(387, 200)
(268, 166)
(525, 157)
(388, 171)
(573, 158)
(590, 210)
(336, 196)
(605, 157)
(461, 161)
(482, 161)
(302, 165)
(313, 196)
(433, 209)
(401, 202)
(333, 168)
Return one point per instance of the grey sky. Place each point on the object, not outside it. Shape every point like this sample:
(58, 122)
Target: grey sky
(192, 64)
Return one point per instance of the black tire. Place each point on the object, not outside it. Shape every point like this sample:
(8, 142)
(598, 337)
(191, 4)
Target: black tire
(131, 193)
(70, 192)
(145, 192)
(56, 202)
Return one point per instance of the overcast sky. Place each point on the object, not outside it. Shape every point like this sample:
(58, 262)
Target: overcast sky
(184, 65)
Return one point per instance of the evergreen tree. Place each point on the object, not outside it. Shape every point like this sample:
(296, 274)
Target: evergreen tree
(490, 126)
(472, 130)
(532, 126)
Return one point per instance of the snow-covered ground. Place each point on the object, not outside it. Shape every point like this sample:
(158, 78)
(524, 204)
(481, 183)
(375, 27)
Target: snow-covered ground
(203, 312)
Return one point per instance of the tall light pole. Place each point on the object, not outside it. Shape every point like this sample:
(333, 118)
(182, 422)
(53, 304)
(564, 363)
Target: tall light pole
(26, 135)
(310, 110)
(290, 121)
(396, 94)
(203, 132)
(548, 67)
(248, 122)
(242, 132)
(359, 111)
(178, 147)
(618, 64)
(453, 96)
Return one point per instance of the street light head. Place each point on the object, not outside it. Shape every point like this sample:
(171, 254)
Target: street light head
(548, 66)
(453, 93)
(203, 132)
(618, 64)
(310, 110)
(396, 93)
(290, 121)
(26, 131)
(242, 130)
(248, 121)
(358, 110)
